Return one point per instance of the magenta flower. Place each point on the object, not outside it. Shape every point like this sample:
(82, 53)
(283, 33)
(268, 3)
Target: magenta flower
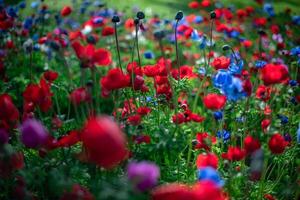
(144, 175)
(33, 133)
(3, 136)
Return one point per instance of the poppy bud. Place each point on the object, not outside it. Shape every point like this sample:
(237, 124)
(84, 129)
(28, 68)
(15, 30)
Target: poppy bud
(115, 19)
(179, 16)
(91, 39)
(261, 32)
(140, 15)
(213, 15)
(225, 47)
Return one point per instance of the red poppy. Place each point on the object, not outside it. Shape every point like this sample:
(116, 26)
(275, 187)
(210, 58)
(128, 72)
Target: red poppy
(251, 144)
(151, 70)
(269, 197)
(185, 72)
(179, 118)
(133, 67)
(263, 92)
(274, 73)
(207, 190)
(134, 120)
(39, 95)
(261, 21)
(107, 31)
(205, 3)
(115, 79)
(143, 110)
(129, 24)
(139, 139)
(79, 96)
(194, 4)
(65, 11)
(68, 140)
(265, 124)
(173, 191)
(277, 144)
(50, 75)
(234, 154)
(90, 56)
(104, 142)
(8, 111)
(214, 101)
(221, 62)
(205, 160)
(204, 140)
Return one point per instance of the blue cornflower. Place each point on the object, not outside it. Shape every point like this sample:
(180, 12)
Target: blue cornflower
(287, 137)
(28, 22)
(12, 12)
(260, 63)
(149, 54)
(222, 78)
(234, 34)
(293, 83)
(198, 19)
(284, 119)
(269, 9)
(295, 51)
(209, 173)
(22, 4)
(224, 135)
(218, 115)
(202, 71)
(235, 90)
(236, 68)
(296, 19)
(34, 4)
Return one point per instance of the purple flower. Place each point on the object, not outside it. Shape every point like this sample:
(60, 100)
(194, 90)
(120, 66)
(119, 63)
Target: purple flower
(33, 133)
(143, 175)
(3, 136)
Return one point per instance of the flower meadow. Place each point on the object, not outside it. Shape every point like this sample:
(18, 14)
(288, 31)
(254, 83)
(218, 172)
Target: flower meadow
(96, 103)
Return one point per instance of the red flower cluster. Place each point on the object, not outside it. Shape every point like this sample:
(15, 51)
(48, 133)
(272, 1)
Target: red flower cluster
(160, 72)
(37, 95)
(187, 116)
(90, 56)
(115, 79)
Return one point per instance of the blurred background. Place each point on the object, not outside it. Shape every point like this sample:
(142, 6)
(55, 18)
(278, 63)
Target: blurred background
(165, 7)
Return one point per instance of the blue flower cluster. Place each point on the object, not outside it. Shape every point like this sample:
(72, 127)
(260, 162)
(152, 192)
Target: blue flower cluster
(228, 84)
